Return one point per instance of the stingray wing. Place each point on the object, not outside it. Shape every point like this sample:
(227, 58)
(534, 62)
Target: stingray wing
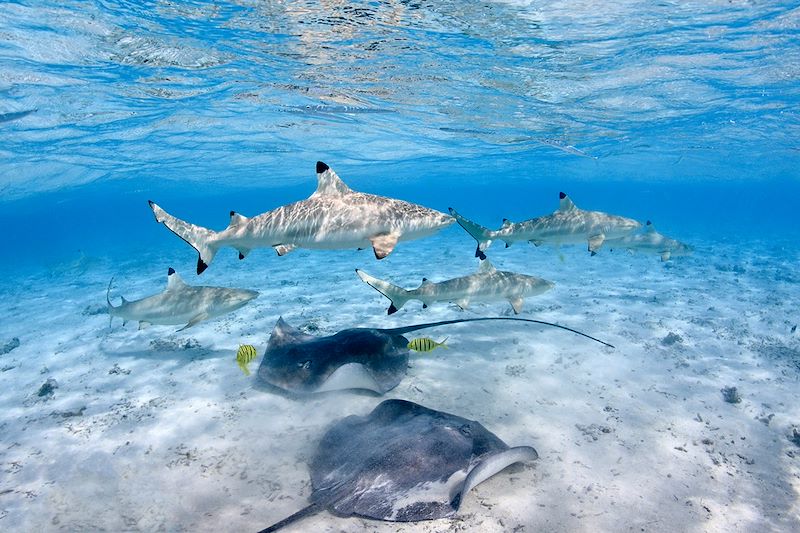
(400, 463)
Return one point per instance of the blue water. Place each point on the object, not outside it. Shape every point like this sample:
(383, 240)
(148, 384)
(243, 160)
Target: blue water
(683, 113)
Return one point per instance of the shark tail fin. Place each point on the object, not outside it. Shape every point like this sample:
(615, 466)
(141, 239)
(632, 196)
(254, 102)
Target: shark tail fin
(481, 234)
(398, 295)
(201, 239)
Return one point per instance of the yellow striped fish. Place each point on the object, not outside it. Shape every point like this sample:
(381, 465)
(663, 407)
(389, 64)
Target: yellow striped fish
(245, 354)
(426, 344)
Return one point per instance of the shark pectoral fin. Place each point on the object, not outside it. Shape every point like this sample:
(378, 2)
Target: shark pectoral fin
(463, 303)
(516, 303)
(595, 242)
(195, 320)
(424, 306)
(383, 245)
(490, 466)
(243, 253)
(143, 324)
(535, 242)
(283, 249)
(665, 255)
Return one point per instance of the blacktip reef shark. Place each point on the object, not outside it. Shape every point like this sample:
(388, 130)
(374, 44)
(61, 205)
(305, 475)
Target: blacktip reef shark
(334, 217)
(651, 241)
(566, 225)
(486, 285)
(180, 304)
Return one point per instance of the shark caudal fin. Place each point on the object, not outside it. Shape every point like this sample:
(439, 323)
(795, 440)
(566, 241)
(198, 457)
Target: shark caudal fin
(479, 233)
(201, 239)
(398, 295)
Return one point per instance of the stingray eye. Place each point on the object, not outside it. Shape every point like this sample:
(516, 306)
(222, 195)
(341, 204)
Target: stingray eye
(466, 430)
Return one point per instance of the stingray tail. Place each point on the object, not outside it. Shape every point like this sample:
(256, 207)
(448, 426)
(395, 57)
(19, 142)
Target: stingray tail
(481, 234)
(108, 301)
(398, 295)
(408, 329)
(201, 239)
(299, 515)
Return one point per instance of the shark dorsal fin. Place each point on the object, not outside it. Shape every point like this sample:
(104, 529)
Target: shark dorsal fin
(506, 223)
(425, 282)
(486, 266)
(237, 219)
(174, 281)
(649, 228)
(328, 183)
(565, 204)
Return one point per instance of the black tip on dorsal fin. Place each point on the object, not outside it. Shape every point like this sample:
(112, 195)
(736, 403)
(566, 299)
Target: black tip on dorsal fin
(424, 279)
(424, 306)
(561, 196)
(649, 223)
(321, 167)
(233, 213)
(201, 266)
(505, 221)
(392, 310)
(150, 203)
(241, 256)
(480, 254)
(171, 271)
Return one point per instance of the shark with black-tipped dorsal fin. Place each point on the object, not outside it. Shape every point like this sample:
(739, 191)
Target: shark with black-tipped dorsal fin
(651, 241)
(486, 285)
(566, 225)
(180, 304)
(334, 217)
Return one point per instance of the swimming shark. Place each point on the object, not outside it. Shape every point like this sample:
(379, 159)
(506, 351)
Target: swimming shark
(566, 225)
(651, 241)
(180, 304)
(486, 285)
(334, 217)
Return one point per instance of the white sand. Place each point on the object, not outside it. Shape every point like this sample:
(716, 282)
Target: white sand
(156, 430)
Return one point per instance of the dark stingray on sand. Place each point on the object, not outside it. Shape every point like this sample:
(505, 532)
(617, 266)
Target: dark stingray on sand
(403, 463)
(356, 358)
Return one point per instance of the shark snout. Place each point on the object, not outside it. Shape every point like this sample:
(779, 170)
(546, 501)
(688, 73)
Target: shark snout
(241, 298)
(445, 220)
(631, 224)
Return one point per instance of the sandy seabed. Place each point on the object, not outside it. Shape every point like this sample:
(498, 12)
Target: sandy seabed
(125, 430)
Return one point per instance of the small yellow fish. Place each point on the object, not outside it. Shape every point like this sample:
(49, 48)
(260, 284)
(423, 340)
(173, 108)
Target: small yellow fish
(426, 344)
(245, 354)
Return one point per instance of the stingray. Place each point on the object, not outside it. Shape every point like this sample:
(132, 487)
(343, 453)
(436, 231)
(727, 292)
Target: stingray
(403, 463)
(357, 358)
